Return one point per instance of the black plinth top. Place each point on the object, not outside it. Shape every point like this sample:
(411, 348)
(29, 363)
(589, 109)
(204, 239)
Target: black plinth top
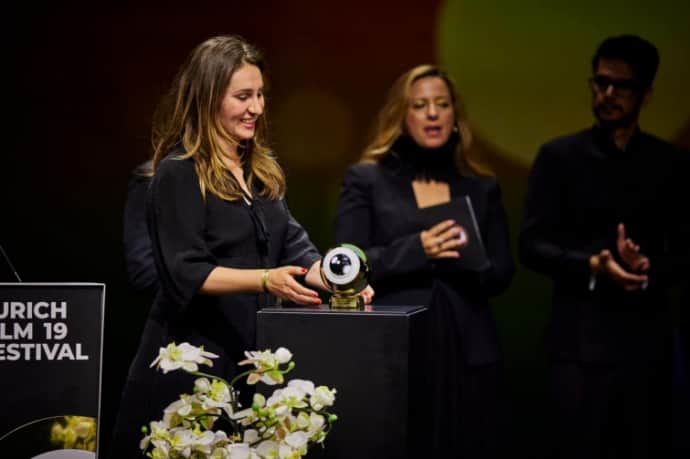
(386, 310)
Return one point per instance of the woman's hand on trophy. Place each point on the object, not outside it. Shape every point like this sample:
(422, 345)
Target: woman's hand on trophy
(367, 294)
(281, 282)
(442, 240)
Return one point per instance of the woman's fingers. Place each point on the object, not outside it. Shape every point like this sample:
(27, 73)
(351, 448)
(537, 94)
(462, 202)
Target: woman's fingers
(451, 234)
(367, 294)
(440, 240)
(441, 227)
(299, 290)
(300, 298)
(282, 283)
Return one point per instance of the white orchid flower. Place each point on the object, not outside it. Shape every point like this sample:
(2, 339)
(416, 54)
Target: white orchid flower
(159, 430)
(202, 442)
(297, 439)
(267, 360)
(281, 411)
(241, 451)
(161, 449)
(285, 451)
(220, 453)
(282, 426)
(267, 364)
(221, 438)
(316, 423)
(174, 413)
(185, 356)
(272, 378)
(218, 396)
(275, 398)
(304, 385)
(250, 436)
(202, 385)
(243, 414)
(322, 397)
(268, 449)
(219, 392)
(283, 355)
(302, 420)
(182, 439)
(205, 438)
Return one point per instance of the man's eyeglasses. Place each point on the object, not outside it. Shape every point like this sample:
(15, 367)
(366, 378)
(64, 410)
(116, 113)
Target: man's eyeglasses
(625, 87)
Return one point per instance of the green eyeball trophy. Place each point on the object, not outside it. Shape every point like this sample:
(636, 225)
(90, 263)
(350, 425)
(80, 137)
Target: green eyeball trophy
(345, 270)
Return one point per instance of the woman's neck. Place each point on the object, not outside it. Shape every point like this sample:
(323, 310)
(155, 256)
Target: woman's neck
(231, 157)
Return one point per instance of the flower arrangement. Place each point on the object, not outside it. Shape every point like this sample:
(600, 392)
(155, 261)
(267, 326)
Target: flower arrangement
(282, 426)
(74, 432)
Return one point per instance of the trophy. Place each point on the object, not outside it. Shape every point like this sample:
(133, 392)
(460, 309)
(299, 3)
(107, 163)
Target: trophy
(344, 269)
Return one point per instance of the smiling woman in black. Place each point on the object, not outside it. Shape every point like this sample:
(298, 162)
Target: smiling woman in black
(223, 239)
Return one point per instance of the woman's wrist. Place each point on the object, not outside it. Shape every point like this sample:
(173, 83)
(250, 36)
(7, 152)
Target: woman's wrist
(264, 280)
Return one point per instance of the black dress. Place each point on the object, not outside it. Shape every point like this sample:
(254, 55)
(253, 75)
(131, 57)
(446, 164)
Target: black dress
(378, 212)
(191, 235)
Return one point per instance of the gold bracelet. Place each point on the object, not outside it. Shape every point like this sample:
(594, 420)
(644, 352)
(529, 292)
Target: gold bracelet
(264, 280)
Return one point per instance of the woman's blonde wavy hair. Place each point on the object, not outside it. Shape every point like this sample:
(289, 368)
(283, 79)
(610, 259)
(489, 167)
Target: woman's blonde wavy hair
(188, 119)
(390, 122)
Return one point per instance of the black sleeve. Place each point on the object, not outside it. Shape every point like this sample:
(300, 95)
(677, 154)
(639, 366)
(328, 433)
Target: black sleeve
(141, 268)
(297, 248)
(354, 224)
(540, 248)
(176, 216)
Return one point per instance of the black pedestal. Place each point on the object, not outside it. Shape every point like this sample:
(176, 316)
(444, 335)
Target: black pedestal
(373, 358)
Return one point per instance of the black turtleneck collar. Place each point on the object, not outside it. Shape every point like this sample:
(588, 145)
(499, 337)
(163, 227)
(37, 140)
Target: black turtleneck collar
(409, 159)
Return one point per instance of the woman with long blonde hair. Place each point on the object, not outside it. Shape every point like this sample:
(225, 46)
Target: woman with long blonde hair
(397, 204)
(223, 239)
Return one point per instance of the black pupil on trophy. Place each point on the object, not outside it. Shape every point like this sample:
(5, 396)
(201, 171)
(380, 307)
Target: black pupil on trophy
(340, 264)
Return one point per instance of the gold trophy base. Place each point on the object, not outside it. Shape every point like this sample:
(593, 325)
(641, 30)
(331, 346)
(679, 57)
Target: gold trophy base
(346, 302)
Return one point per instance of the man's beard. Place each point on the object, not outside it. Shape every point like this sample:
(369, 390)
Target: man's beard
(624, 121)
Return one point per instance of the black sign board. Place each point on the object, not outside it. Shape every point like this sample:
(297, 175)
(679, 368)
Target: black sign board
(50, 360)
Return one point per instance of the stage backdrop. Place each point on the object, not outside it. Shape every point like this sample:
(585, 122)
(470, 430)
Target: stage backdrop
(84, 85)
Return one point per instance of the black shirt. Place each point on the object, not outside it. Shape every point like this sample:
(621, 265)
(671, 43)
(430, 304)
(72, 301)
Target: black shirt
(580, 187)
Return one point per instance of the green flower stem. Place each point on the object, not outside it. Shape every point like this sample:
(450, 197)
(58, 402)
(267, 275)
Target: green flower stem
(261, 371)
(240, 376)
(206, 375)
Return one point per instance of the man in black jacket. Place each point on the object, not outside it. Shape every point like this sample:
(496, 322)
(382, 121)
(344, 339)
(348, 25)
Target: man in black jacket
(605, 218)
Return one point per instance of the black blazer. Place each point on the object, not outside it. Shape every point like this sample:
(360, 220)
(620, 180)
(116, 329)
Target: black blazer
(580, 187)
(377, 211)
(141, 269)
